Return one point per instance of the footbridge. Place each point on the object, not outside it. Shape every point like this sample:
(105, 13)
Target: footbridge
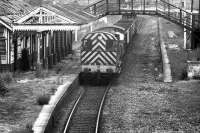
(187, 19)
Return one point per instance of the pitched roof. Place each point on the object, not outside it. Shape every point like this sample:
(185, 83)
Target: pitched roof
(13, 12)
(70, 12)
(14, 7)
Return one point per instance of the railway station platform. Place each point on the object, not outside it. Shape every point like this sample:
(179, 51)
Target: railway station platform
(139, 101)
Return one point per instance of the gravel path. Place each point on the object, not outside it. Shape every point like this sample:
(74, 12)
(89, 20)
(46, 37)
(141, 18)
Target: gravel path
(140, 103)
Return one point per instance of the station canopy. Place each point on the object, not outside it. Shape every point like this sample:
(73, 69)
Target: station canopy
(24, 17)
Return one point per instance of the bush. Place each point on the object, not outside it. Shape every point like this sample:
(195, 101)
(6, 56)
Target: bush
(53, 89)
(59, 80)
(59, 67)
(3, 88)
(40, 73)
(7, 77)
(42, 100)
(29, 126)
(28, 129)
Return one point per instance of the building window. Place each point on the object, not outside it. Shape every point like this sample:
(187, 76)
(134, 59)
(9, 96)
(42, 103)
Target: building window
(1, 32)
(2, 41)
(182, 4)
(2, 46)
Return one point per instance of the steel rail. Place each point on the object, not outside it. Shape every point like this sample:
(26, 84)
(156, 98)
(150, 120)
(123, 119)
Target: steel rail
(73, 110)
(100, 108)
(96, 116)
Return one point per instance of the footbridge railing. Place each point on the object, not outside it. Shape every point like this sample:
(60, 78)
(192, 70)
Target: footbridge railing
(171, 12)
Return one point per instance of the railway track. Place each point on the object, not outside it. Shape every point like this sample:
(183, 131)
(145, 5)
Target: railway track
(85, 115)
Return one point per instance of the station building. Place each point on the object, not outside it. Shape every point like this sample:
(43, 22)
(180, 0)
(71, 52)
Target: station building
(31, 36)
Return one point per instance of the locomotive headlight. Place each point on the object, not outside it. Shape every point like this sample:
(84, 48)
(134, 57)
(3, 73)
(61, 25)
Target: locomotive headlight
(100, 37)
(87, 69)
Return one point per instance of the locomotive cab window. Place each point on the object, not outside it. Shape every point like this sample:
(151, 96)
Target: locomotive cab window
(117, 36)
(86, 44)
(111, 45)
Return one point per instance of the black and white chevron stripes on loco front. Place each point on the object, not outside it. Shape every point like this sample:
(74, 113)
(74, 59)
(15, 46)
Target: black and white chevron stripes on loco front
(98, 54)
(98, 58)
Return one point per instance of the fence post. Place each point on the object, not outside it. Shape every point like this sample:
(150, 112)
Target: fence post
(156, 6)
(168, 11)
(144, 7)
(181, 16)
(132, 5)
(119, 6)
(107, 7)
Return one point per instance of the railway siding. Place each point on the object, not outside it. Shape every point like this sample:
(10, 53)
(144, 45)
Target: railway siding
(45, 118)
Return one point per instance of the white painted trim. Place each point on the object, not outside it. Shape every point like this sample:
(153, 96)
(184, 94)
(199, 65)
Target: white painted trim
(6, 25)
(44, 9)
(41, 28)
(63, 17)
(28, 16)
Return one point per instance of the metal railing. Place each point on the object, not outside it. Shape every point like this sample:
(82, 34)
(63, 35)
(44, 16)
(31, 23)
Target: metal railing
(169, 11)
